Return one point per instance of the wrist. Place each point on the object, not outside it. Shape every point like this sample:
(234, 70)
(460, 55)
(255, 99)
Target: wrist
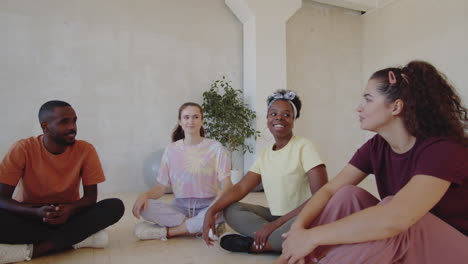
(75, 208)
(278, 222)
(314, 240)
(210, 211)
(213, 209)
(37, 213)
(296, 225)
(145, 195)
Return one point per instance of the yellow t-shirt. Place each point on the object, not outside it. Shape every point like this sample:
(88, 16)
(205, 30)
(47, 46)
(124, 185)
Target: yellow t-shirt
(283, 173)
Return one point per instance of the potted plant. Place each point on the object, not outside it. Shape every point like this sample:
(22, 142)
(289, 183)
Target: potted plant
(228, 119)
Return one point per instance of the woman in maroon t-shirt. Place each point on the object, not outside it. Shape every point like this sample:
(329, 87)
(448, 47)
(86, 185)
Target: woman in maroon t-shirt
(420, 159)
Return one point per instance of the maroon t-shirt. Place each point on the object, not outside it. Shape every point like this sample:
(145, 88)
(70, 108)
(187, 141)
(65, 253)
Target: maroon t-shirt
(437, 157)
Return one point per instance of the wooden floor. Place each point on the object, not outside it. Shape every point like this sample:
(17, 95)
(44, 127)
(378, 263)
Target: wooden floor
(124, 248)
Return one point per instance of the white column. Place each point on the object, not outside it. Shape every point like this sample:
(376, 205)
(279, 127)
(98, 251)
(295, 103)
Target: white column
(264, 26)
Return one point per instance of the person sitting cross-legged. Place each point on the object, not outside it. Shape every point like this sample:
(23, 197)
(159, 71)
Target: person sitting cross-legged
(46, 213)
(197, 169)
(420, 161)
(290, 170)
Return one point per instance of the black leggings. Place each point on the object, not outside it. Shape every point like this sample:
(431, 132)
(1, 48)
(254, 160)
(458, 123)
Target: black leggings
(20, 230)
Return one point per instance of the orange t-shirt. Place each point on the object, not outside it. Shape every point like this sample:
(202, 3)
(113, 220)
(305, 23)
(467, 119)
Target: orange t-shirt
(42, 177)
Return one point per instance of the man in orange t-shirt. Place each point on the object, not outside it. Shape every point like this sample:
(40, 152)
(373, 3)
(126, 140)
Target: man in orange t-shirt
(46, 213)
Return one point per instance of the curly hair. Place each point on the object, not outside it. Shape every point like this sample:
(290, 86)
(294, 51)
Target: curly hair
(432, 107)
(296, 100)
(178, 132)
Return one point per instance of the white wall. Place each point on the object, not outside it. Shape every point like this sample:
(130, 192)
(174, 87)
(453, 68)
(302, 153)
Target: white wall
(432, 30)
(331, 52)
(324, 67)
(125, 66)
(265, 68)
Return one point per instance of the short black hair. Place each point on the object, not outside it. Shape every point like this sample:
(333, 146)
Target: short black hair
(49, 107)
(296, 101)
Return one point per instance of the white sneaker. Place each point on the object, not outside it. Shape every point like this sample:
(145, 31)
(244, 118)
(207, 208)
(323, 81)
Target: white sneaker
(14, 253)
(220, 230)
(97, 240)
(212, 236)
(145, 230)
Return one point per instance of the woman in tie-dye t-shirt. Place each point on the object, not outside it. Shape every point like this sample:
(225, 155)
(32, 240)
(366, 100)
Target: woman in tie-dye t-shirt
(194, 167)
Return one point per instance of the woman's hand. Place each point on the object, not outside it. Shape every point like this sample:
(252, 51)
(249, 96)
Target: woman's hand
(262, 235)
(141, 202)
(282, 260)
(209, 224)
(298, 246)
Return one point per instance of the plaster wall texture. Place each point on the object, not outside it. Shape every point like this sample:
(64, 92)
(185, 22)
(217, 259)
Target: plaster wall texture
(125, 66)
(324, 66)
(431, 30)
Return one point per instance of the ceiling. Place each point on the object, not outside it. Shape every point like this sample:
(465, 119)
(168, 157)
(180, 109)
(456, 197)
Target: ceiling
(359, 5)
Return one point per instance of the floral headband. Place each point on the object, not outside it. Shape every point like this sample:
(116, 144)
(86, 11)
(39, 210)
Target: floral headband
(288, 97)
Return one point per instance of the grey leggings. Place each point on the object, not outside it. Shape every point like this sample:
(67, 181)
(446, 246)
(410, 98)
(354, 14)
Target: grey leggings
(248, 218)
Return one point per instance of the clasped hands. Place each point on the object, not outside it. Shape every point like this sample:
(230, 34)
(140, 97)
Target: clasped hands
(55, 214)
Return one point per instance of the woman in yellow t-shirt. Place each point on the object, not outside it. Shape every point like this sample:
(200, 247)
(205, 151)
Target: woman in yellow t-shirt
(290, 171)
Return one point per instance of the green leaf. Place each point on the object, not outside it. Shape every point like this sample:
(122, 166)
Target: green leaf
(227, 118)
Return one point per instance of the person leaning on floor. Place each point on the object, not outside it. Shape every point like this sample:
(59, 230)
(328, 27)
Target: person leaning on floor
(46, 213)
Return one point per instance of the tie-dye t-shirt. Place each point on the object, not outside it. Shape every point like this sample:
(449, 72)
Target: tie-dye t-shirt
(194, 171)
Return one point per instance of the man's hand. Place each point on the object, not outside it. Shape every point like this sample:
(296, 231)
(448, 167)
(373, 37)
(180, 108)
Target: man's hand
(46, 211)
(56, 215)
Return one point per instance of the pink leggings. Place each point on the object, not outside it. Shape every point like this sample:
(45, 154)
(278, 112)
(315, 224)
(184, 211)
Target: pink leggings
(428, 241)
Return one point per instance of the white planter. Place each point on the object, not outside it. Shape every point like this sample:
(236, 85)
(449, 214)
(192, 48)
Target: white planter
(236, 176)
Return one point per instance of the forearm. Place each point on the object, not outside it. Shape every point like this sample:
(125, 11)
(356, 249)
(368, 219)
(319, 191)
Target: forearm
(156, 192)
(312, 208)
(349, 175)
(225, 186)
(83, 203)
(387, 219)
(15, 207)
(230, 196)
(89, 199)
(373, 223)
(285, 218)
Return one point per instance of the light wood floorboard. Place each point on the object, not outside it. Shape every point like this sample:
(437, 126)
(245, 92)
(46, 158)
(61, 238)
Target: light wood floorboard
(124, 248)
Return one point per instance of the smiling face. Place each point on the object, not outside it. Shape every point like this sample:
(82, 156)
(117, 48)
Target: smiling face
(280, 119)
(191, 120)
(60, 126)
(375, 112)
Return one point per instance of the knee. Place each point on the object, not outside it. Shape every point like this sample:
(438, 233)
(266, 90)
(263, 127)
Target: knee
(276, 238)
(350, 190)
(231, 209)
(386, 199)
(349, 193)
(114, 208)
